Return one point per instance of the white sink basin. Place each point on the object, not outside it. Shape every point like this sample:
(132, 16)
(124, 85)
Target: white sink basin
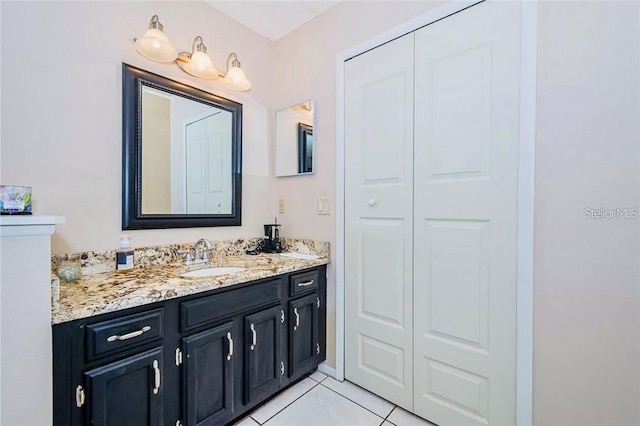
(213, 272)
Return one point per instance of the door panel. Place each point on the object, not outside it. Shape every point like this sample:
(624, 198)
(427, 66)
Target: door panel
(208, 376)
(262, 359)
(208, 168)
(124, 393)
(378, 220)
(382, 238)
(466, 136)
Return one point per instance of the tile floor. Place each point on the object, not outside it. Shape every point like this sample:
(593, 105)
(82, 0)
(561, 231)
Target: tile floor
(322, 401)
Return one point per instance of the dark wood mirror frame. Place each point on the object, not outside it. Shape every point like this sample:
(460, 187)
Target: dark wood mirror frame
(132, 217)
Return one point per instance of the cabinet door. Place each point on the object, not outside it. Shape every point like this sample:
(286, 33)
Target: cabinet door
(264, 363)
(127, 392)
(303, 335)
(207, 376)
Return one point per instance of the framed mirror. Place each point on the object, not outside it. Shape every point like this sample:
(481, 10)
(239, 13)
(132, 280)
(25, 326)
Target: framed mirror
(181, 157)
(294, 142)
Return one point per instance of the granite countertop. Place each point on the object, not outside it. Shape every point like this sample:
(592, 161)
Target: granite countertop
(113, 291)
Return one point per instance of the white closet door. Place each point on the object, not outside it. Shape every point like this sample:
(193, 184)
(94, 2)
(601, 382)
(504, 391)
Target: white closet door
(378, 220)
(466, 164)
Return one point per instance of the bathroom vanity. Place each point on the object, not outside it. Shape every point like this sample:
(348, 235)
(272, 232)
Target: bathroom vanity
(206, 352)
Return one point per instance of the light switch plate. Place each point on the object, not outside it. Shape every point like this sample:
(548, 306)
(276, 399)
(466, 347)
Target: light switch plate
(281, 206)
(324, 205)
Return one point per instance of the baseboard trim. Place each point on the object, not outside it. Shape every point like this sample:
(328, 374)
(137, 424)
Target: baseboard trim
(329, 371)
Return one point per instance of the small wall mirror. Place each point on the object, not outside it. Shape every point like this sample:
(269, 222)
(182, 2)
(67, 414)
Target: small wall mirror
(181, 154)
(295, 147)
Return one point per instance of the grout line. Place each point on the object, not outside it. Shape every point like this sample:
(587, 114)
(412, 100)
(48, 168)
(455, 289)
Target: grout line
(319, 381)
(386, 419)
(286, 406)
(349, 399)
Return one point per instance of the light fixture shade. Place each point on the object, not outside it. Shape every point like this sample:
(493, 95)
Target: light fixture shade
(236, 80)
(200, 66)
(155, 46)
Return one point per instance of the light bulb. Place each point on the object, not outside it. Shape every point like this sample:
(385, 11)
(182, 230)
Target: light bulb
(236, 80)
(155, 45)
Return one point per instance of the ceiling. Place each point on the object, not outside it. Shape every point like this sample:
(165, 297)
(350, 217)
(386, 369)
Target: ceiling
(272, 18)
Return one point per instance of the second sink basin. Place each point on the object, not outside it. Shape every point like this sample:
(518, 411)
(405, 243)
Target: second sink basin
(213, 272)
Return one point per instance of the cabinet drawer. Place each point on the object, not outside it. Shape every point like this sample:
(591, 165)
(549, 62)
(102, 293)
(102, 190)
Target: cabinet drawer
(122, 333)
(195, 313)
(303, 283)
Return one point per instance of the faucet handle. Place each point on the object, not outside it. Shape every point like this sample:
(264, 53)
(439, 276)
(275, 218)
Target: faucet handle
(188, 258)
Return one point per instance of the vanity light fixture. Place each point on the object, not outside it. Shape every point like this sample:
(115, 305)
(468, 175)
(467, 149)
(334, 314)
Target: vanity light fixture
(197, 63)
(154, 44)
(235, 78)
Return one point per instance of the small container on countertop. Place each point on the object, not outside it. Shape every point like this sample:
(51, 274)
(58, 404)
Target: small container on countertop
(124, 254)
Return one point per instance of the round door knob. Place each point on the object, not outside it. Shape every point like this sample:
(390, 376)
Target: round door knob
(371, 202)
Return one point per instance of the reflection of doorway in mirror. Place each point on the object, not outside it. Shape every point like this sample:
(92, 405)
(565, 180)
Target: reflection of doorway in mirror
(305, 148)
(156, 152)
(293, 150)
(208, 164)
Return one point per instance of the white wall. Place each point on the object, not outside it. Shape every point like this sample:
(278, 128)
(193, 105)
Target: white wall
(61, 110)
(586, 276)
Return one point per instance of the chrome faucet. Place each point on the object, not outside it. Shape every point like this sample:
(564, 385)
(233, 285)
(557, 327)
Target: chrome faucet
(202, 255)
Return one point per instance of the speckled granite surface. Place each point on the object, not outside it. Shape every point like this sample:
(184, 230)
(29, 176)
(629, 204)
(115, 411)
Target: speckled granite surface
(99, 293)
(95, 262)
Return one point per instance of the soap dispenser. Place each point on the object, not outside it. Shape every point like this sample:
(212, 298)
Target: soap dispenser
(124, 254)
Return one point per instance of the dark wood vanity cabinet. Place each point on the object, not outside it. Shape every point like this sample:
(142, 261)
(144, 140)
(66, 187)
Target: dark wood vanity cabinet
(204, 359)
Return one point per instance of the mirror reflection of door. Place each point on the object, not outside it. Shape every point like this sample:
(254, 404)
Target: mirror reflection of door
(186, 156)
(208, 164)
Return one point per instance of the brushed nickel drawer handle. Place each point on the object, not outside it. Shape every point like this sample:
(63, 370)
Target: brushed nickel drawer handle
(129, 335)
(295, 312)
(306, 283)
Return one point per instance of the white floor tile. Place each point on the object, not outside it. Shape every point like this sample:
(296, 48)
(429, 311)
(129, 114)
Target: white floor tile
(247, 421)
(400, 417)
(322, 407)
(360, 396)
(318, 376)
(386, 423)
(272, 407)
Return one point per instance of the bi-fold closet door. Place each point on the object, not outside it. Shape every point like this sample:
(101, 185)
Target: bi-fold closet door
(431, 154)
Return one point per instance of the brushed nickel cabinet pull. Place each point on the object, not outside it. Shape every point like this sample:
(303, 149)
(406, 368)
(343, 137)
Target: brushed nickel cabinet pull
(230, 354)
(295, 312)
(127, 336)
(156, 381)
(306, 283)
(79, 396)
(254, 337)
